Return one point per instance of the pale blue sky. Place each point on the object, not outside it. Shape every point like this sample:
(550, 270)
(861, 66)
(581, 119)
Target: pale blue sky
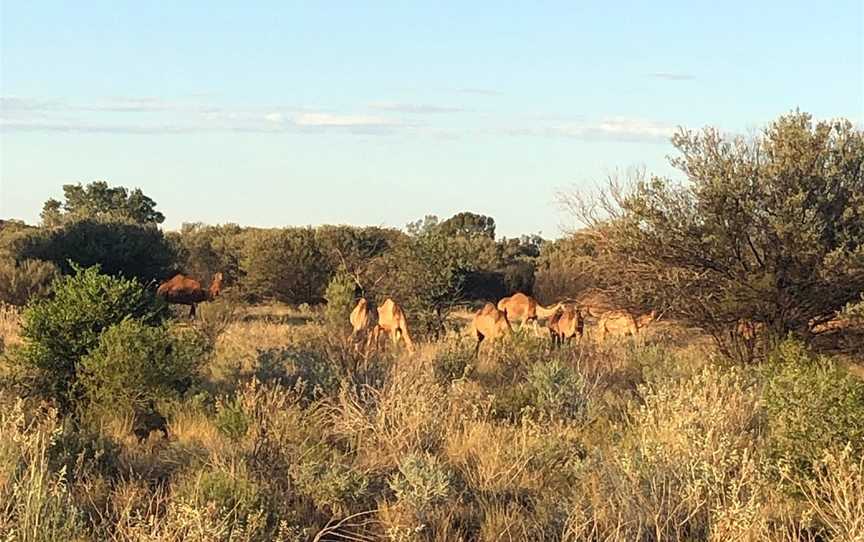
(297, 113)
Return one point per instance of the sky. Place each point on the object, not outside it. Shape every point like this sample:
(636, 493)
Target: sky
(379, 113)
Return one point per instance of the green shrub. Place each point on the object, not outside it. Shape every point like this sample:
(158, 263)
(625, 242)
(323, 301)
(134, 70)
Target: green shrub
(21, 281)
(453, 361)
(422, 481)
(304, 370)
(284, 264)
(61, 330)
(813, 405)
(231, 419)
(556, 389)
(340, 301)
(226, 495)
(332, 485)
(135, 364)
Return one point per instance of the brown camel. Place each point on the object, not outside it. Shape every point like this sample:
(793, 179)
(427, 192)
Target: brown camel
(363, 320)
(566, 324)
(183, 290)
(391, 320)
(489, 323)
(524, 308)
(623, 323)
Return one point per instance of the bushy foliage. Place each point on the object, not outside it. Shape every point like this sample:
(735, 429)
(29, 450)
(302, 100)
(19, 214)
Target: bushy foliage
(119, 248)
(21, 281)
(286, 265)
(556, 389)
(767, 229)
(422, 481)
(453, 361)
(61, 330)
(97, 200)
(204, 250)
(813, 405)
(135, 364)
(340, 301)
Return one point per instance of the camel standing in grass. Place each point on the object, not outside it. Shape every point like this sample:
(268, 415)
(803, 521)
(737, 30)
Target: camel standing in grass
(489, 323)
(622, 323)
(525, 309)
(391, 320)
(363, 320)
(183, 290)
(595, 303)
(566, 324)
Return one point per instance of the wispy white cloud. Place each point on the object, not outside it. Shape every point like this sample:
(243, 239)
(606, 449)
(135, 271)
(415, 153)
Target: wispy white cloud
(158, 116)
(607, 129)
(672, 76)
(420, 109)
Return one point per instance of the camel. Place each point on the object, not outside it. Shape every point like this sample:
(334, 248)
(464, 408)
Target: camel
(566, 324)
(489, 323)
(363, 320)
(623, 323)
(391, 320)
(183, 290)
(525, 308)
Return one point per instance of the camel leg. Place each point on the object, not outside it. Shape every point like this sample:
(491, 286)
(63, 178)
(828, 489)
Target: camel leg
(192, 311)
(480, 338)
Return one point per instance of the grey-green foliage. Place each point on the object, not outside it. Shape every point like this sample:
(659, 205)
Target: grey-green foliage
(61, 330)
(769, 229)
(21, 281)
(340, 300)
(284, 264)
(813, 404)
(422, 481)
(135, 364)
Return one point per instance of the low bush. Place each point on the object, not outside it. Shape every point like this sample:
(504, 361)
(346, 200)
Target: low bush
(812, 405)
(61, 330)
(134, 365)
(19, 282)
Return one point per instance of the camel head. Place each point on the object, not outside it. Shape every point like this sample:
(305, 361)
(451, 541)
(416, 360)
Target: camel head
(215, 286)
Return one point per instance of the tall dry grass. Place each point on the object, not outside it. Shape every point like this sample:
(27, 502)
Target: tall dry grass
(293, 435)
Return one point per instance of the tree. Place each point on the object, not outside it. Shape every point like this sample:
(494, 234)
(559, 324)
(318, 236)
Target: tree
(565, 268)
(769, 230)
(204, 250)
(284, 264)
(131, 250)
(469, 224)
(97, 200)
(425, 275)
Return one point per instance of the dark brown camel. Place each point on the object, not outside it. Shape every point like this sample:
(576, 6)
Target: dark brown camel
(183, 290)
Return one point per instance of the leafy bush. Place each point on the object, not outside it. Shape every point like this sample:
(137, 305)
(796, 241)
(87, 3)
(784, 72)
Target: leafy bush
(331, 484)
(340, 301)
(119, 248)
(231, 419)
(21, 281)
(453, 361)
(285, 264)
(812, 405)
(556, 389)
(135, 364)
(305, 370)
(62, 330)
(422, 481)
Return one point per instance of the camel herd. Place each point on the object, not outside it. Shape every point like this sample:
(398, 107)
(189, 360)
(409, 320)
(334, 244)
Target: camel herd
(564, 320)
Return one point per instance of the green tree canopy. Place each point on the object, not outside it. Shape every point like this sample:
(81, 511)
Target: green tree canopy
(97, 200)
